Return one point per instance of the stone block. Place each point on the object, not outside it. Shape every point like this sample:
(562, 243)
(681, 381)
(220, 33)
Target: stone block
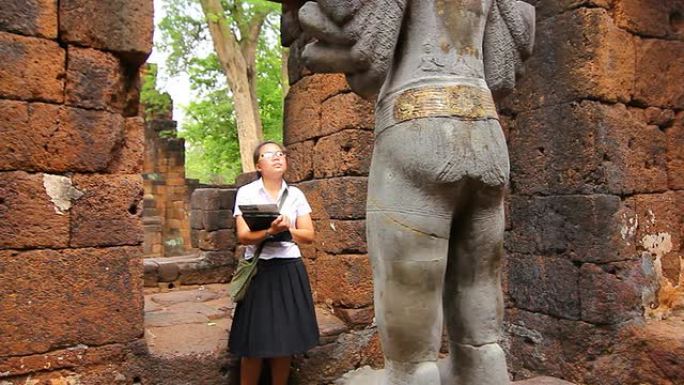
(659, 217)
(650, 18)
(343, 153)
(95, 80)
(346, 111)
(300, 161)
(227, 198)
(50, 138)
(30, 17)
(544, 284)
(30, 215)
(579, 54)
(656, 66)
(303, 105)
(595, 228)
(337, 198)
(32, 69)
(356, 317)
(218, 219)
(341, 237)
(54, 299)
(675, 153)
(344, 280)
(196, 219)
(128, 157)
(109, 212)
(217, 240)
(586, 147)
(205, 199)
(612, 293)
(121, 26)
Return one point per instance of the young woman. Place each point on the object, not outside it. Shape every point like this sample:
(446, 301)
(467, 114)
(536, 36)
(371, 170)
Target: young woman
(276, 318)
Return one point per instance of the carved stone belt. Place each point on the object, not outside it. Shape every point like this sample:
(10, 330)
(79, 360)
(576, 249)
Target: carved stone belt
(464, 101)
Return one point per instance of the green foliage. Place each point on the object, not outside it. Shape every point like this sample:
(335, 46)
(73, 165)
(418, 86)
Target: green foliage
(212, 153)
(154, 102)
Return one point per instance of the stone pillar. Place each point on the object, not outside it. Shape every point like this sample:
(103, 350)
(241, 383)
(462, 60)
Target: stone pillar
(594, 239)
(70, 189)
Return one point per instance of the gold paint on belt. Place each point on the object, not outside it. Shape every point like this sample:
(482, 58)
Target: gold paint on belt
(464, 101)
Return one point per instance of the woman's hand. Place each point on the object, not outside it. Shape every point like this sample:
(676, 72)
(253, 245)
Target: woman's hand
(282, 223)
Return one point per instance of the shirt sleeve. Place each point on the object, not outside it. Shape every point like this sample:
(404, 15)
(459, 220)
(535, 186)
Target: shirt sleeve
(239, 200)
(303, 207)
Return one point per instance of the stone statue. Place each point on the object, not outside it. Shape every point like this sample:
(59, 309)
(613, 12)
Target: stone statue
(439, 170)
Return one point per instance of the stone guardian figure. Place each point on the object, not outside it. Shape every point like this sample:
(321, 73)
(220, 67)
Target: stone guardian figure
(439, 170)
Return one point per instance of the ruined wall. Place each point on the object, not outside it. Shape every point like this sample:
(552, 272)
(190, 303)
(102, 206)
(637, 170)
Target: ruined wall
(70, 189)
(166, 214)
(595, 210)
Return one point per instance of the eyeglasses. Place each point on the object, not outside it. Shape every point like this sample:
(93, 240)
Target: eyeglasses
(271, 154)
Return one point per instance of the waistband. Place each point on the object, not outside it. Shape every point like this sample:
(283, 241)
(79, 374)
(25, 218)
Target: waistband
(464, 101)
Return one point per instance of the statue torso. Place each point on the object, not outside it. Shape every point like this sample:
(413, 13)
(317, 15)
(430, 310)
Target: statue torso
(440, 44)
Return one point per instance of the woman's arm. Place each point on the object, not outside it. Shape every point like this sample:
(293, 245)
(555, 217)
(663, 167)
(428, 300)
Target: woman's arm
(247, 237)
(303, 232)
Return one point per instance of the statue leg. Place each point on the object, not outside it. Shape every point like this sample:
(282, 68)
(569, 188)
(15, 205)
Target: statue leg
(408, 227)
(473, 301)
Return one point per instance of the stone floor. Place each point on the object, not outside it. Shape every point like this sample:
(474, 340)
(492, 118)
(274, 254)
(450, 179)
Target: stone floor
(192, 322)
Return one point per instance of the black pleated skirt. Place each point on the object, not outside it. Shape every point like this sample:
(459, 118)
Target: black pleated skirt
(276, 318)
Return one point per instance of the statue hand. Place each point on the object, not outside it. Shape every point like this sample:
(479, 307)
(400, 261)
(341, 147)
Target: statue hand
(354, 37)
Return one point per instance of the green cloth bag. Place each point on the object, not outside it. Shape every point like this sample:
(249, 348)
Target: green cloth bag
(247, 269)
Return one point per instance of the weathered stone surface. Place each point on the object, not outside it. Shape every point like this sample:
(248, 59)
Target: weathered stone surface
(339, 237)
(28, 216)
(356, 317)
(343, 153)
(326, 363)
(612, 293)
(656, 65)
(121, 26)
(30, 17)
(32, 69)
(344, 280)
(299, 161)
(595, 228)
(73, 357)
(548, 284)
(166, 318)
(92, 297)
(346, 111)
(337, 198)
(584, 148)
(675, 153)
(217, 240)
(650, 18)
(46, 137)
(227, 198)
(329, 326)
(548, 8)
(128, 157)
(577, 54)
(543, 381)
(205, 199)
(303, 105)
(585, 354)
(109, 212)
(94, 80)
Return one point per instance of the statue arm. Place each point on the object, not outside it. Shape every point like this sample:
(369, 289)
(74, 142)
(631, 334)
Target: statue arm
(355, 37)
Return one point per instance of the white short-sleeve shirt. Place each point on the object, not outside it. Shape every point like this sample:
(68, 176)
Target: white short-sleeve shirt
(295, 205)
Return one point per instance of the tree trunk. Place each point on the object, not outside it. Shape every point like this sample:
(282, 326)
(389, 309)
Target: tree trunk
(235, 68)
